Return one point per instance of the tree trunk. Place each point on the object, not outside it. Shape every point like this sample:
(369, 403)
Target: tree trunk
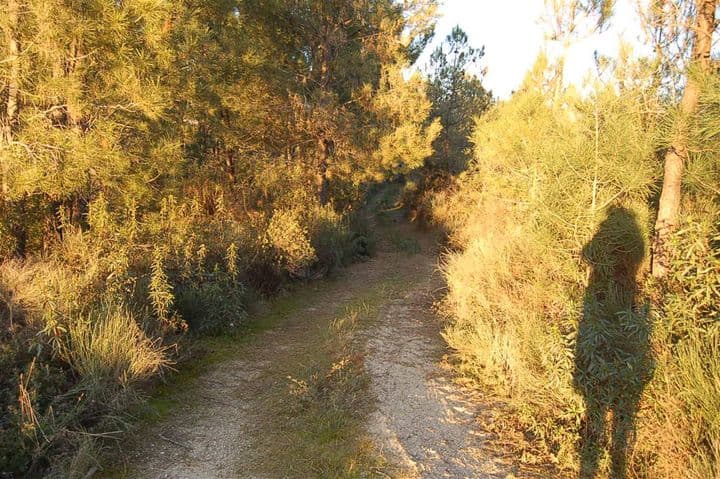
(230, 161)
(8, 124)
(326, 146)
(321, 180)
(677, 154)
(9, 119)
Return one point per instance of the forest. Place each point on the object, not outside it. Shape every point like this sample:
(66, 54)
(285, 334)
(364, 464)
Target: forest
(168, 167)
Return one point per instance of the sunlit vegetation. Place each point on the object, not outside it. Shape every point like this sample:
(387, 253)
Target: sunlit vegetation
(162, 163)
(556, 301)
(165, 163)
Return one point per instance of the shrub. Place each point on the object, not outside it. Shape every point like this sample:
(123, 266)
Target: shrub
(545, 181)
(681, 430)
(215, 305)
(289, 242)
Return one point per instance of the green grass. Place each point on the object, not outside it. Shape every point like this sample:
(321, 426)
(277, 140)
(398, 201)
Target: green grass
(404, 244)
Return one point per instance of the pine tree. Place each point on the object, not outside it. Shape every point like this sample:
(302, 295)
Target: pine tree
(676, 156)
(685, 36)
(458, 96)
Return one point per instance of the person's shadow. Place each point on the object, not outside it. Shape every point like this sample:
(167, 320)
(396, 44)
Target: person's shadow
(613, 361)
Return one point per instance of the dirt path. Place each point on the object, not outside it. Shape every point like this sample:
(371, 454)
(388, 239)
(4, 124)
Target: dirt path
(424, 419)
(232, 420)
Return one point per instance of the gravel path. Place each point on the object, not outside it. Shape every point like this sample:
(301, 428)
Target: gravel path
(424, 424)
(424, 420)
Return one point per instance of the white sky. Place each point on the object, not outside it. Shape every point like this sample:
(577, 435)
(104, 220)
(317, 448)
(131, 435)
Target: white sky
(513, 34)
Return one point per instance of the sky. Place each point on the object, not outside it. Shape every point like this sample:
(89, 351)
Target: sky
(513, 34)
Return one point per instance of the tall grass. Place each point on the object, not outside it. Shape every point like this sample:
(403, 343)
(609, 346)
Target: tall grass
(108, 344)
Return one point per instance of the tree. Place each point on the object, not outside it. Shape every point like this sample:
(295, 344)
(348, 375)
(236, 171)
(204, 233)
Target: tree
(139, 100)
(402, 106)
(676, 156)
(683, 33)
(158, 157)
(8, 117)
(77, 81)
(340, 55)
(458, 96)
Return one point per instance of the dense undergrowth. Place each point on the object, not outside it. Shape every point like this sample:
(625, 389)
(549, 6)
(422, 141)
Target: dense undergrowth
(550, 303)
(103, 313)
(164, 162)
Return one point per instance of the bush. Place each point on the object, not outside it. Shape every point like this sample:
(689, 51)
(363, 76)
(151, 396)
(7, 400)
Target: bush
(522, 300)
(681, 431)
(549, 303)
(289, 242)
(212, 306)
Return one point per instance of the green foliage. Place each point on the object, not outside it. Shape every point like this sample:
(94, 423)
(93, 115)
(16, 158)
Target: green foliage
(289, 242)
(160, 292)
(608, 372)
(407, 143)
(322, 407)
(158, 159)
(215, 305)
(703, 168)
(694, 284)
(406, 245)
(684, 397)
(545, 180)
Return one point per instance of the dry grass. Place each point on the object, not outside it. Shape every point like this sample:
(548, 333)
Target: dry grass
(101, 312)
(109, 345)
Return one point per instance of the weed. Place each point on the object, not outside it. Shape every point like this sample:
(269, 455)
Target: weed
(108, 345)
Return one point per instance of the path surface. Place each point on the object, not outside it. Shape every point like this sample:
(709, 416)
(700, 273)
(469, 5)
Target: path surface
(422, 421)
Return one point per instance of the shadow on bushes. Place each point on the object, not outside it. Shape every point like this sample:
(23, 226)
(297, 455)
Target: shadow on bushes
(613, 362)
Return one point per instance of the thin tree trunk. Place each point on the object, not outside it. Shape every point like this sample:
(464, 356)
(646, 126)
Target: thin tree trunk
(677, 154)
(321, 179)
(8, 124)
(230, 161)
(13, 86)
(326, 146)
